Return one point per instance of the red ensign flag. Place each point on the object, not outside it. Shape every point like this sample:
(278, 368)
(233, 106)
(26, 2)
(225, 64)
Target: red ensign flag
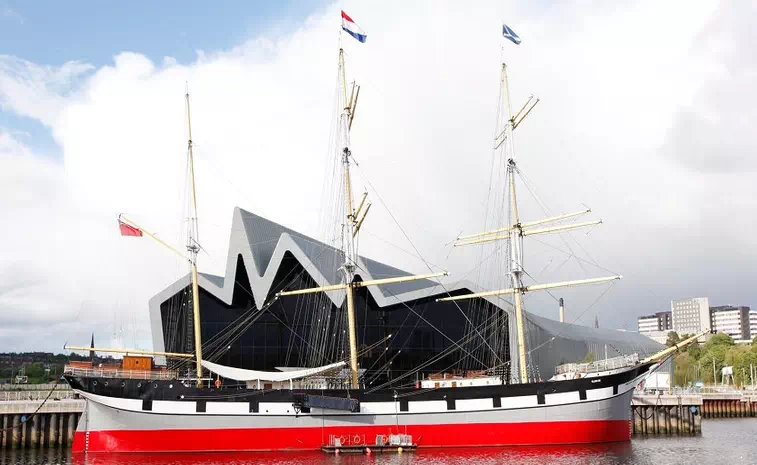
(128, 230)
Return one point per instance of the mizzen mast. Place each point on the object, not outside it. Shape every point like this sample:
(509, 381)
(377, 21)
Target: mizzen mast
(515, 231)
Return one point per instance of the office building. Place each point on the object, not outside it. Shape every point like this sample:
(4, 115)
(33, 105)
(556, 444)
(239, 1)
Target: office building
(733, 321)
(690, 316)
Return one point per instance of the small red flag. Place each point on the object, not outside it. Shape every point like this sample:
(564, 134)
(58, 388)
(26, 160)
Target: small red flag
(128, 230)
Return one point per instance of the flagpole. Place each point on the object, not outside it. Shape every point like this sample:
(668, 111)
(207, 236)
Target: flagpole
(122, 218)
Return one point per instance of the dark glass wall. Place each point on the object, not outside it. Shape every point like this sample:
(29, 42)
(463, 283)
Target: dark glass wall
(308, 331)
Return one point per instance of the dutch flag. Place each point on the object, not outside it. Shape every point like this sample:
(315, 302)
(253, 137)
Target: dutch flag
(352, 29)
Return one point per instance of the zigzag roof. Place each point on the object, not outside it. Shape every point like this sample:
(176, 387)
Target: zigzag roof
(262, 245)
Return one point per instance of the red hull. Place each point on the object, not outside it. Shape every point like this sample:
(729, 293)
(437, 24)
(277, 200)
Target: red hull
(262, 439)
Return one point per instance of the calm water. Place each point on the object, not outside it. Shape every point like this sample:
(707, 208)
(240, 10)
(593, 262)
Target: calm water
(730, 441)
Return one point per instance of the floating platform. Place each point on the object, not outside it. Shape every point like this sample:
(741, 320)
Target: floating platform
(356, 444)
(368, 449)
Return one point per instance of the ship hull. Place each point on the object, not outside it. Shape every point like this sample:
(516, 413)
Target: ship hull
(596, 411)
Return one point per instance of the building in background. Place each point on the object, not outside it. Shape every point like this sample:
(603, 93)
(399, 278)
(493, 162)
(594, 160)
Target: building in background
(690, 316)
(265, 257)
(733, 321)
(656, 326)
(753, 323)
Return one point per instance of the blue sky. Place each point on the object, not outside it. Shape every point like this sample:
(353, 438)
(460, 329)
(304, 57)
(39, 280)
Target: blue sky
(52, 33)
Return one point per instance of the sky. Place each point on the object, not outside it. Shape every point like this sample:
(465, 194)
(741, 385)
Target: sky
(644, 116)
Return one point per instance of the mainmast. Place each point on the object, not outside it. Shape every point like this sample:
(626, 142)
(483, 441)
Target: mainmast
(193, 248)
(354, 220)
(350, 252)
(516, 230)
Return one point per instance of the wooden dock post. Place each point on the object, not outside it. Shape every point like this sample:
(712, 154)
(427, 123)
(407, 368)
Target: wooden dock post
(61, 426)
(53, 431)
(638, 423)
(649, 415)
(42, 426)
(16, 434)
(71, 428)
(34, 433)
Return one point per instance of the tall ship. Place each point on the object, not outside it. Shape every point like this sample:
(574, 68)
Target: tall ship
(330, 400)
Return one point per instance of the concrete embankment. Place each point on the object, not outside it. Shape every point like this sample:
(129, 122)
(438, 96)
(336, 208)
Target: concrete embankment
(52, 425)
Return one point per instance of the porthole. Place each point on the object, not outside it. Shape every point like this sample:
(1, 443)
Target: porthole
(139, 384)
(94, 383)
(123, 384)
(170, 386)
(106, 383)
(155, 385)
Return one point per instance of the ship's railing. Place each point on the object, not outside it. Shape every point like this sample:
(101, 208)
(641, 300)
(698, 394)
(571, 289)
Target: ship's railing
(95, 372)
(599, 365)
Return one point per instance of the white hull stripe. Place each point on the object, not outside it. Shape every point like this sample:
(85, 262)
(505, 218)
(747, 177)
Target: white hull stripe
(366, 408)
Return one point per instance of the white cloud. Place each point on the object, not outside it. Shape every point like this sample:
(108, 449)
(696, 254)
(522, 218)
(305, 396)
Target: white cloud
(614, 81)
(36, 91)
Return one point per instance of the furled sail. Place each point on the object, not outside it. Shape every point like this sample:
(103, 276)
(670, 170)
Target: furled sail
(240, 374)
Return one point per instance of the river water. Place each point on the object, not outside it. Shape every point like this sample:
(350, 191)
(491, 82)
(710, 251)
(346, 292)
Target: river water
(724, 441)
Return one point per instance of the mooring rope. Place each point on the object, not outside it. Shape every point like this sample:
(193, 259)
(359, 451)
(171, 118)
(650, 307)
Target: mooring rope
(21, 423)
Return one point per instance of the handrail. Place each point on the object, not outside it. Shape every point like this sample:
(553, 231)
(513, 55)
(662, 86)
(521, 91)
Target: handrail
(599, 365)
(120, 373)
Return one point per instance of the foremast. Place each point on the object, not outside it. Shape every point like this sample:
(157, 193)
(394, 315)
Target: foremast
(353, 221)
(193, 248)
(515, 231)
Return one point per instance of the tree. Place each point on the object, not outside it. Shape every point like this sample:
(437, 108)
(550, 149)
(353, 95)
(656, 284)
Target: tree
(694, 350)
(590, 357)
(719, 339)
(673, 339)
(685, 369)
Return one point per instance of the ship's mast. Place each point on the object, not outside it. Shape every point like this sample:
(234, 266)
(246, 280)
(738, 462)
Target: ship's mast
(516, 240)
(516, 230)
(354, 220)
(350, 254)
(193, 248)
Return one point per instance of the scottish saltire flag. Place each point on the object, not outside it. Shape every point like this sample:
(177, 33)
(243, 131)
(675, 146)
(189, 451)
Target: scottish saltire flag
(352, 29)
(507, 33)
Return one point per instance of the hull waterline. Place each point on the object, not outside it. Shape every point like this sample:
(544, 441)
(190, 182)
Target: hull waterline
(598, 411)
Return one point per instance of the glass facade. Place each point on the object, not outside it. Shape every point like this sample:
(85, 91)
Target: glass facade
(310, 331)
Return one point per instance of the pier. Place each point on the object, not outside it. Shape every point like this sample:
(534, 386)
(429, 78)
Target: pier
(682, 414)
(729, 405)
(52, 426)
(666, 414)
